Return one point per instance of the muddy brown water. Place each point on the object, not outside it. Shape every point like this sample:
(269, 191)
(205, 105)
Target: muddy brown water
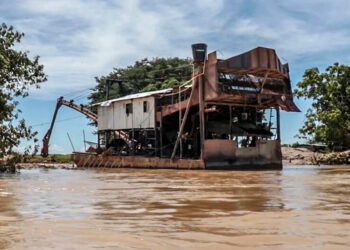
(304, 207)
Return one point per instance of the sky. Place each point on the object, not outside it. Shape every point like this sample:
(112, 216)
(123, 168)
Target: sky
(78, 40)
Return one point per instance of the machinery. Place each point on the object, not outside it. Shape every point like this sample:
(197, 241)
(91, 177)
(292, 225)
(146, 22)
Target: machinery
(226, 117)
(70, 104)
(80, 108)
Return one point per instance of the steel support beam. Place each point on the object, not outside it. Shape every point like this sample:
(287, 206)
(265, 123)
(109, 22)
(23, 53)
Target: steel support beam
(184, 120)
(201, 108)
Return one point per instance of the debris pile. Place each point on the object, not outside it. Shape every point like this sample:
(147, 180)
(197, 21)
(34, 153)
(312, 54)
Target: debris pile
(337, 158)
(305, 156)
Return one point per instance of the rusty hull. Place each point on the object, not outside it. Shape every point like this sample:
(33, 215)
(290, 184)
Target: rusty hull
(225, 154)
(217, 154)
(86, 160)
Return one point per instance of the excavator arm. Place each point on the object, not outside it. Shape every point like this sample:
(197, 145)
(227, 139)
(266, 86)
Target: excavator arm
(82, 109)
(70, 104)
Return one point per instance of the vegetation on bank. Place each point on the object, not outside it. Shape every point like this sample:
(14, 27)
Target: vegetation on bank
(52, 158)
(144, 75)
(328, 119)
(8, 163)
(18, 73)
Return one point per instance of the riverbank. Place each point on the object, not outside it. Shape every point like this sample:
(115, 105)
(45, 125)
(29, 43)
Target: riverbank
(12, 163)
(49, 165)
(51, 161)
(305, 156)
(291, 157)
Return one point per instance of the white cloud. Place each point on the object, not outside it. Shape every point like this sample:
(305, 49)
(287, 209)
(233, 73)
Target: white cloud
(297, 28)
(208, 8)
(292, 37)
(80, 39)
(109, 36)
(56, 149)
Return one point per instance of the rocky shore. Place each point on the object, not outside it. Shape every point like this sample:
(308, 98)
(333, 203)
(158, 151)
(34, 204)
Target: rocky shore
(12, 169)
(13, 163)
(305, 156)
(51, 165)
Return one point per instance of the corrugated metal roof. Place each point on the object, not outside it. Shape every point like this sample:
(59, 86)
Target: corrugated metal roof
(133, 96)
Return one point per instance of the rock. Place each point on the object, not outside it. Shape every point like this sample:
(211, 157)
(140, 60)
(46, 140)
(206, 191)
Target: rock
(304, 156)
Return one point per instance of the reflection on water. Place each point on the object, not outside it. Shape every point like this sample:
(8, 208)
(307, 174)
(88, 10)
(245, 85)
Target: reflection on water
(169, 209)
(8, 215)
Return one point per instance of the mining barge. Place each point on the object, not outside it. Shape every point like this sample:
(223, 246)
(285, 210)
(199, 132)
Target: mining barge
(226, 117)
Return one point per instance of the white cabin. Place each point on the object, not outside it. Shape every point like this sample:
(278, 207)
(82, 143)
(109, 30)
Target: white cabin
(127, 112)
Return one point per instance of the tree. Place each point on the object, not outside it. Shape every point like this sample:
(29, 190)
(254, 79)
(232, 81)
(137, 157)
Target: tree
(17, 73)
(328, 121)
(144, 75)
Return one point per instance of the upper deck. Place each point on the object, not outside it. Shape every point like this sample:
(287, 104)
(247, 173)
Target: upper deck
(255, 78)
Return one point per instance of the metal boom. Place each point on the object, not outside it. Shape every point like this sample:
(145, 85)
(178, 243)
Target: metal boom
(60, 101)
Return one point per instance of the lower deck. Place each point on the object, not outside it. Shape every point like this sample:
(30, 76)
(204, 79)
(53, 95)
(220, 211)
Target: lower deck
(218, 154)
(87, 160)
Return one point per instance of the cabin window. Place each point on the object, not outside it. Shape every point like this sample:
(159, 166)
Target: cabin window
(145, 106)
(128, 108)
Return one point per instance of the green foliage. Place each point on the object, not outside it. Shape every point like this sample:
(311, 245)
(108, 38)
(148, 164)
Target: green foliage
(17, 73)
(144, 75)
(295, 145)
(59, 158)
(328, 121)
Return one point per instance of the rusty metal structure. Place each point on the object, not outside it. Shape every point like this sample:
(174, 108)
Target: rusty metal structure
(227, 118)
(70, 104)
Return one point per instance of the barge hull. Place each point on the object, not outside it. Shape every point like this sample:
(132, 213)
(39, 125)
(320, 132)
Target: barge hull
(85, 160)
(225, 154)
(218, 155)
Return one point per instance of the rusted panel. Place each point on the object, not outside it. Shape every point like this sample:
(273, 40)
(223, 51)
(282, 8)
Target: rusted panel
(173, 108)
(256, 61)
(260, 62)
(218, 154)
(288, 105)
(93, 160)
(215, 150)
(211, 89)
(265, 155)
(266, 152)
(159, 116)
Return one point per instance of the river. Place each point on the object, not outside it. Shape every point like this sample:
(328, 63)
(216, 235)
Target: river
(303, 207)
